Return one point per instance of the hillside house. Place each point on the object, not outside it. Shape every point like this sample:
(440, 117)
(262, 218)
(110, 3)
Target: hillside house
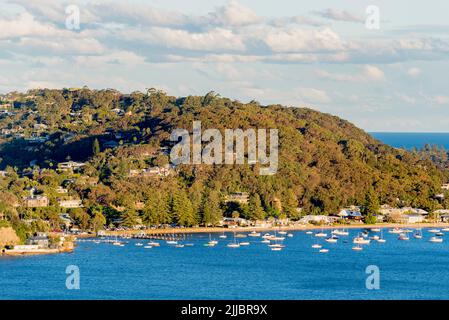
(36, 201)
(70, 203)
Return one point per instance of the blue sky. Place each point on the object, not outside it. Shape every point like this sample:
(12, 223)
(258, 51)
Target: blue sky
(316, 53)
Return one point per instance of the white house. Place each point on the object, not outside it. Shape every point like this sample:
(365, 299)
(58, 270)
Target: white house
(316, 219)
(412, 218)
(72, 203)
(70, 165)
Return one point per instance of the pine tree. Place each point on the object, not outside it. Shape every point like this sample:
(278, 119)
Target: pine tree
(182, 209)
(156, 210)
(130, 218)
(211, 212)
(291, 205)
(256, 211)
(371, 203)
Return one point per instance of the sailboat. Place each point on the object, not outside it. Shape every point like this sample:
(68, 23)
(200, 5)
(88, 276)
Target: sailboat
(254, 234)
(316, 246)
(360, 240)
(212, 242)
(321, 234)
(436, 239)
(418, 234)
(116, 242)
(324, 250)
(223, 236)
(403, 236)
(381, 239)
(234, 244)
(396, 230)
(357, 248)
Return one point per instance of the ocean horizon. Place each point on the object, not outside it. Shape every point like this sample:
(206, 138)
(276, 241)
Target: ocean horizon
(409, 140)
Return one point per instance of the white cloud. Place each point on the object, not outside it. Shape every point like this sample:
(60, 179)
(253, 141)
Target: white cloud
(414, 72)
(367, 73)
(215, 39)
(313, 95)
(297, 40)
(441, 99)
(373, 73)
(234, 14)
(339, 15)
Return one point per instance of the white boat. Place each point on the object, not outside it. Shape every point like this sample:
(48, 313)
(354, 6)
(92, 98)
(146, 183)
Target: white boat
(381, 240)
(265, 241)
(320, 235)
(266, 235)
(324, 250)
(282, 232)
(97, 241)
(234, 244)
(276, 249)
(375, 237)
(445, 229)
(290, 235)
(340, 232)
(244, 243)
(357, 248)
(117, 243)
(316, 246)
(179, 246)
(148, 247)
(440, 234)
(434, 230)
(254, 234)
(139, 244)
(241, 235)
(436, 240)
(223, 236)
(331, 240)
(403, 236)
(209, 244)
(309, 232)
(276, 245)
(396, 230)
(375, 229)
(418, 234)
(171, 242)
(361, 240)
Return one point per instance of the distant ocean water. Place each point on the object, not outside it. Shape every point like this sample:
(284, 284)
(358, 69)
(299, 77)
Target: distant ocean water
(408, 140)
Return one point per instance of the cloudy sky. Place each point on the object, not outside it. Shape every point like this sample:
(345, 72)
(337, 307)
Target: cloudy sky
(318, 53)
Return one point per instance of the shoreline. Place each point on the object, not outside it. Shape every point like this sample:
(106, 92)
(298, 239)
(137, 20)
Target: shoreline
(35, 252)
(261, 229)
